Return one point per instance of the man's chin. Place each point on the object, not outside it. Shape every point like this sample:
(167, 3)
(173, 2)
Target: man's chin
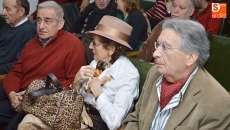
(8, 22)
(160, 70)
(43, 38)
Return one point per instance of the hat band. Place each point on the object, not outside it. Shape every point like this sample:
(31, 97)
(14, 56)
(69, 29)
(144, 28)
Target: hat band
(113, 32)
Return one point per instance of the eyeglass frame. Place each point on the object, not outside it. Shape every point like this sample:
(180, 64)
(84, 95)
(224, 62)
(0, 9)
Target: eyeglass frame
(96, 44)
(163, 45)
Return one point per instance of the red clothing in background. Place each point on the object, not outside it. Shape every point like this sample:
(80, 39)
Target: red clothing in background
(211, 25)
(63, 56)
(158, 10)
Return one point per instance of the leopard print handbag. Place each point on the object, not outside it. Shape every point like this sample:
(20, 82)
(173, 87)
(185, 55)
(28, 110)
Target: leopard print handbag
(58, 107)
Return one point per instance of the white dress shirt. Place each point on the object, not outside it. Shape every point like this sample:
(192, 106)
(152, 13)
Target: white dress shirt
(21, 22)
(118, 94)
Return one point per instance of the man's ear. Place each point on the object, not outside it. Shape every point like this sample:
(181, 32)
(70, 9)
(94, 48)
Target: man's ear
(61, 24)
(192, 58)
(191, 12)
(21, 11)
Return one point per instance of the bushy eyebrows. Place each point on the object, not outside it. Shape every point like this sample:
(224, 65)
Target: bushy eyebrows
(46, 18)
(164, 43)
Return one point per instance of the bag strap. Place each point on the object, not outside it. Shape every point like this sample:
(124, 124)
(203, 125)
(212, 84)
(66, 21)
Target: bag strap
(42, 91)
(51, 77)
(47, 89)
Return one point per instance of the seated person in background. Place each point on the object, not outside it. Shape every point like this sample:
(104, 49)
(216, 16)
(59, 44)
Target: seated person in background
(89, 19)
(132, 14)
(84, 3)
(91, 16)
(203, 14)
(109, 94)
(15, 34)
(159, 11)
(178, 92)
(51, 51)
(182, 9)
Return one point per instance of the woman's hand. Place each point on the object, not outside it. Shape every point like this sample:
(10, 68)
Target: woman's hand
(95, 87)
(84, 73)
(84, 3)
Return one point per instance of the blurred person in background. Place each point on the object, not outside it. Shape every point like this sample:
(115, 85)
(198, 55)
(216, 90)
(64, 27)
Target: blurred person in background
(131, 13)
(182, 9)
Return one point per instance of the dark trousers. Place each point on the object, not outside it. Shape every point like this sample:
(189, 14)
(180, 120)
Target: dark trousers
(8, 117)
(13, 124)
(98, 123)
(6, 112)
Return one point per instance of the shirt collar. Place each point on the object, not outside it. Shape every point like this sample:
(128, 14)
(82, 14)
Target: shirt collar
(182, 91)
(45, 42)
(21, 22)
(112, 71)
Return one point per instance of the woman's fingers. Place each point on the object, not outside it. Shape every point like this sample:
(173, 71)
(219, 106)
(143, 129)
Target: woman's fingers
(84, 73)
(87, 71)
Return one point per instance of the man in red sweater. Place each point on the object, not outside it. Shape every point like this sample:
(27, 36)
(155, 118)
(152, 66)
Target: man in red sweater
(51, 51)
(203, 14)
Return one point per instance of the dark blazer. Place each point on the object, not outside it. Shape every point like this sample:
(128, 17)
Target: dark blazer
(205, 105)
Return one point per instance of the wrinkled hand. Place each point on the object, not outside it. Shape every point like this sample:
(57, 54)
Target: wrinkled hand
(84, 73)
(95, 86)
(84, 3)
(15, 99)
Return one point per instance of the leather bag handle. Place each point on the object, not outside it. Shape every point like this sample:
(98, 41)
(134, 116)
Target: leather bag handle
(51, 77)
(47, 89)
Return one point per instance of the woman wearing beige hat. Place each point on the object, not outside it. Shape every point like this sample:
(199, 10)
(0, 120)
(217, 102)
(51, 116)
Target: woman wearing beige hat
(109, 85)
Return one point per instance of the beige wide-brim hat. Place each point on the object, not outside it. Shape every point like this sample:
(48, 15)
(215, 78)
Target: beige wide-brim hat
(113, 29)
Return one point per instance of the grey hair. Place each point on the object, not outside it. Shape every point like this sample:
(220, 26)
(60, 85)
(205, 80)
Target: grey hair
(193, 37)
(51, 4)
(191, 4)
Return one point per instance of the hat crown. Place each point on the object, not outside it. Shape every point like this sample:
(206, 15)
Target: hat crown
(117, 24)
(114, 29)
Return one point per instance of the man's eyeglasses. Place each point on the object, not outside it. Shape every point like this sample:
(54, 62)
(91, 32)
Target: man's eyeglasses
(96, 44)
(164, 47)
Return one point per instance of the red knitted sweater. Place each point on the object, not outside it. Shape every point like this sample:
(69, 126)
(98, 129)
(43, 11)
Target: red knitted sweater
(63, 56)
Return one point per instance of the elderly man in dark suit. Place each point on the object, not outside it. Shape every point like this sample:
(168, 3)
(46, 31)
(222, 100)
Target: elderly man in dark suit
(178, 92)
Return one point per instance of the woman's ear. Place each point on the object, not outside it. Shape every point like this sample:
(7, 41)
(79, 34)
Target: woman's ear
(111, 50)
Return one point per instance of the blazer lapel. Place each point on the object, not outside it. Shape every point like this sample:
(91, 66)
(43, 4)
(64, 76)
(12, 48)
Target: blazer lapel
(151, 107)
(187, 104)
